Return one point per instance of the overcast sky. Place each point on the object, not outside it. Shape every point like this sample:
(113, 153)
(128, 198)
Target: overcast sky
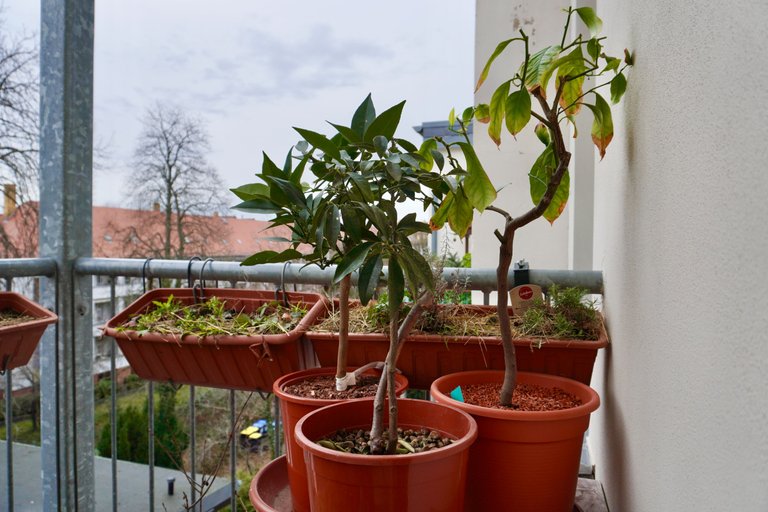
(252, 69)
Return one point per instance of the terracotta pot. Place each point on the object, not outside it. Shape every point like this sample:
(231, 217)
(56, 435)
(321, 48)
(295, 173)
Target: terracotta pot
(292, 409)
(234, 362)
(269, 488)
(433, 480)
(424, 358)
(522, 461)
(18, 342)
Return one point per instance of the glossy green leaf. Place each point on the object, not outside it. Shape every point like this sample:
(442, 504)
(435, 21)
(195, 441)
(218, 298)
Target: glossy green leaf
(426, 152)
(496, 109)
(602, 125)
(618, 87)
(271, 257)
(452, 118)
(348, 133)
(251, 191)
(628, 57)
(539, 177)
(538, 69)
(362, 184)
(466, 116)
(406, 145)
(590, 19)
(363, 116)
(319, 141)
(287, 187)
(542, 133)
(380, 144)
(416, 268)
(385, 124)
(354, 224)
(439, 159)
(332, 225)
(370, 274)
(517, 111)
(499, 48)
(477, 186)
(572, 66)
(483, 113)
(352, 261)
(394, 170)
(395, 281)
(257, 206)
(612, 64)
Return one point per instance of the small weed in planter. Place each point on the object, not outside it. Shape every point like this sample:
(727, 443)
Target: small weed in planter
(566, 315)
(212, 317)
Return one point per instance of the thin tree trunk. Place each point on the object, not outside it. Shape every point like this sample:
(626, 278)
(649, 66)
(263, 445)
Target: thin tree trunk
(502, 278)
(341, 356)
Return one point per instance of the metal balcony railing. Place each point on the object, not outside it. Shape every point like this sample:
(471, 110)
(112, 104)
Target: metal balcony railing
(276, 274)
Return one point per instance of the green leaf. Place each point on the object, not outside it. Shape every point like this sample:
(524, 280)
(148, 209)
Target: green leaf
(466, 116)
(572, 66)
(537, 73)
(477, 186)
(460, 214)
(612, 64)
(362, 185)
(542, 132)
(439, 159)
(539, 178)
(590, 19)
(377, 217)
(440, 216)
(348, 133)
(385, 124)
(517, 111)
(629, 58)
(498, 101)
(394, 170)
(451, 118)
(618, 87)
(319, 141)
(363, 116)
(602, 126)
(257, 206)
(395, 281)
(406, 145)
(499, 48)
(483, 113)
(408, 225)
(380, 144)
(369, 277)
(416, 268)
(251, 191)
(354, 225)
(332, 225)
(426, 152)
(593, 49)
(294, 193)
(352, 261)
(271, 257)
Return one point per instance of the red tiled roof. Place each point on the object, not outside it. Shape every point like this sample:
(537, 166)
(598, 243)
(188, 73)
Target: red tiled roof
(224, 236)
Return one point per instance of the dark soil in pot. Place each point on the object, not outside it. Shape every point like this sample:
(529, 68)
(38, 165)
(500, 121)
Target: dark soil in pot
(324, 387)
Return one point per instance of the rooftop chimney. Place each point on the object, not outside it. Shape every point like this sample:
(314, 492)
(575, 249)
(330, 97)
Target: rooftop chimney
(155, 207)
(9, 191)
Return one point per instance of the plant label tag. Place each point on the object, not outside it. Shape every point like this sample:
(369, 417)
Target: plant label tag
(522, 297)
(457, 395)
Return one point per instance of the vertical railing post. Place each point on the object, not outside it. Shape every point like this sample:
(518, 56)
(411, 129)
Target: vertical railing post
(66, 359)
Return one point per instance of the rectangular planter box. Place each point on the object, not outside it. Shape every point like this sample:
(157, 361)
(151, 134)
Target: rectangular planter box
(18, 342)
(426, 357)
(234, 362)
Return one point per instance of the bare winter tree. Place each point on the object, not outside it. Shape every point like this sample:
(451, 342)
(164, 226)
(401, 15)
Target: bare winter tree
(18, 143)
(173, 178)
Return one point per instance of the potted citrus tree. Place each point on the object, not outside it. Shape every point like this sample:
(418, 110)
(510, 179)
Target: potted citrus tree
(506, 470)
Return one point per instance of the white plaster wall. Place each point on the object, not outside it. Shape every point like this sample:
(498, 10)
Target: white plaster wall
(681, 235)
(541, 244)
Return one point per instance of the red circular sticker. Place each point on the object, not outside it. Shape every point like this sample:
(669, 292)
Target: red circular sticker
(525, 293)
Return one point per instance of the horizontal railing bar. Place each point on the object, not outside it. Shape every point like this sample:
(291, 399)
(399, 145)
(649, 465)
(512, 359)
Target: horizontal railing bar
(26, 267)
(483, 279)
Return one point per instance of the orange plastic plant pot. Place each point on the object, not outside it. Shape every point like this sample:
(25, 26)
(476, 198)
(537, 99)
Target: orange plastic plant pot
(433, 480)
(234, 362)
(269, 488)
(522, 461)
(292, 409)
(18, 342)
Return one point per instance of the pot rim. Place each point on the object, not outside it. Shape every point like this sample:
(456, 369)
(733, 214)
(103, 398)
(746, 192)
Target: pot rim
(459, 445)
(590, 398)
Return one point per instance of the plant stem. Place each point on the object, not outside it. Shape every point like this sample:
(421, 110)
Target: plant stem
(567, 22)
(341, 356)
